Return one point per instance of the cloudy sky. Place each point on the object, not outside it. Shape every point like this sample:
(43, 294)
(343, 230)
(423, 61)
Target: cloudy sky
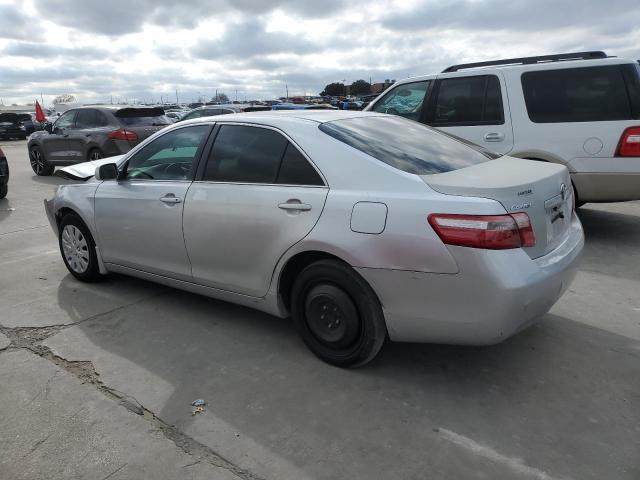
(98, 50)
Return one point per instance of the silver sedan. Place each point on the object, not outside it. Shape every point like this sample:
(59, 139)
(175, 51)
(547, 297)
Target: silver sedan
(360, 226)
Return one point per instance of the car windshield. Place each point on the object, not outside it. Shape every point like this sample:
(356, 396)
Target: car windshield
(142, 117)
(407, 145)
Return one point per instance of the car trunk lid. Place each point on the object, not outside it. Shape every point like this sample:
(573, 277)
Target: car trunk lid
(541, 190)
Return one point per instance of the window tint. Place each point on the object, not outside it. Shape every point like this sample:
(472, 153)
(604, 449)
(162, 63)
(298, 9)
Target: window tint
(194, 114)
(142, 117)
(65, 120)
(245, 154)
(168, 157)
(296, 170)
(576, 95)
(408, 146)
(404, 100)
(631, 74)
(469, 101)
(90, 118)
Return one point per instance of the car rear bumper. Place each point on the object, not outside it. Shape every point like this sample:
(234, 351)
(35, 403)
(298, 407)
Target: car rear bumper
(495, 295)
(607, 187)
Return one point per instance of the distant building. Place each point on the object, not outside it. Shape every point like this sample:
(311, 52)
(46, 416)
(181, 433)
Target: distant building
(381, 87)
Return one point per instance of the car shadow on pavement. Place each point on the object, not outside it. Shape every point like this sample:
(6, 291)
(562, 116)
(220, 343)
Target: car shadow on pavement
(559, 385)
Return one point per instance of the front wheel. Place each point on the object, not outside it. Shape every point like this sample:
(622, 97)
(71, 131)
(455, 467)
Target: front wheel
(39, 164)
(78, 249)
(337, 314)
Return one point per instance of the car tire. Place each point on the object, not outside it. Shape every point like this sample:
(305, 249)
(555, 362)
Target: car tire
(337, 314)
(39, 164)
(4, 189)
(78, 249)
(94, 154)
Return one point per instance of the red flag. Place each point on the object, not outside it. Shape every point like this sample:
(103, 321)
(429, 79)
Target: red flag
(39, 113)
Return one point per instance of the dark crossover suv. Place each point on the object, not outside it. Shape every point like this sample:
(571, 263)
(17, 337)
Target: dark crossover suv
(11, 126)
(90, 133)
(4, 175)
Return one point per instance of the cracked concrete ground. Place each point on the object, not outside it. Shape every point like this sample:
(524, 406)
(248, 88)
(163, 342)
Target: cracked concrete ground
(97, 380)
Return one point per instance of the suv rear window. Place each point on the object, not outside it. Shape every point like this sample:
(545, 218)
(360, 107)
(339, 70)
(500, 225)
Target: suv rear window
(142, 117)
(406, 145)
(588, 94)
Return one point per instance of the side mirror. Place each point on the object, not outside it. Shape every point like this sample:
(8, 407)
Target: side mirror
(108, 171)
(48, 127)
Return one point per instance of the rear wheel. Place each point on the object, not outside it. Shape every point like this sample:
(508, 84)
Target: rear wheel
(95, 154)
(39, 164)
(337, 314)
(78, 249)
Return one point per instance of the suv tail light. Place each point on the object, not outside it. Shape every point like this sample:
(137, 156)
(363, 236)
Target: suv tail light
(123, 134)
(493, 232)
(629, 145)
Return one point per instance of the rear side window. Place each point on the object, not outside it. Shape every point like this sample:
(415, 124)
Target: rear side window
(142, 117)
(406, 145)
(405, 100)
(245, 154)
(589, 94)
(473, 100)
(296, 170)
(257, 155)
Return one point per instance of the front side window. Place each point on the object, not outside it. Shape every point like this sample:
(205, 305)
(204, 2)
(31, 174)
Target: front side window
(408, 146)
(194, 114)
(469, 101)
(168, 157)
(588, 94)
(65, 121)
(405, 100)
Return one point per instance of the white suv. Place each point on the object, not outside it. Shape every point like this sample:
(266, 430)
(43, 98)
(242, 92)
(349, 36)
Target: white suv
(578, 109)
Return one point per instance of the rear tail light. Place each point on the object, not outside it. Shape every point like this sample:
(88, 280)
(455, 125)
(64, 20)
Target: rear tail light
(123, 134)
(493, 232)
(629, 145)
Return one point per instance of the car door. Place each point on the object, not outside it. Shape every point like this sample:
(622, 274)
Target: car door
(139, 216)
(90, 125)
(473, 107)
(56, 144)
(257, 196)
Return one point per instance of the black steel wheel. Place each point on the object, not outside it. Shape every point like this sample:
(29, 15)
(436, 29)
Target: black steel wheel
(337, 314)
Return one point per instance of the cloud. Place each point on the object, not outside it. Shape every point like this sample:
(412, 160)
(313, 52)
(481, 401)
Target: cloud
(250, 39)
(39, 50)
(15, 24)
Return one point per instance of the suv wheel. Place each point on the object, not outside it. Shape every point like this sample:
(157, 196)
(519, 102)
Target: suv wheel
(95, 154)
(39, 164)
(337, 314)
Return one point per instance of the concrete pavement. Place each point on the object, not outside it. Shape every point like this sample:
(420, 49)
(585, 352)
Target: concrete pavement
(561, 400)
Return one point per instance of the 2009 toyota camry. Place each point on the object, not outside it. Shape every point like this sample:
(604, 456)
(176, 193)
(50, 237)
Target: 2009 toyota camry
(358, 225)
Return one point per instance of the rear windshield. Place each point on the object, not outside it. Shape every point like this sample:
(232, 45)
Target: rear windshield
(142, 117)
(589, 94)
(406, 145)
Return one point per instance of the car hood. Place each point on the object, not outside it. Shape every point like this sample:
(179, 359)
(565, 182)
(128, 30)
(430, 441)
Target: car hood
(86, 170)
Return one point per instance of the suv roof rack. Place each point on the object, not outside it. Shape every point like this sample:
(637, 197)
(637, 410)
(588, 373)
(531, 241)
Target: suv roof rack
(529, 60)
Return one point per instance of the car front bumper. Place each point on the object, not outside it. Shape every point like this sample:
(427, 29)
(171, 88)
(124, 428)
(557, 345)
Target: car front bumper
(495, 295)
(48, 208)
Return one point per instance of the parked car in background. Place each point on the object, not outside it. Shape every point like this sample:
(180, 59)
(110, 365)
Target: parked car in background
(29, 122)
(174, 115)
(358, 225)
(213, 110)
(581, 110)
(11, 126)
(4, 175)
(90, 133)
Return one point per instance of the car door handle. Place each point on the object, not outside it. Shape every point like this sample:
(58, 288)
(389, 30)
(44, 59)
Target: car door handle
(494, 137)
(170, 198)
(295, 205)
